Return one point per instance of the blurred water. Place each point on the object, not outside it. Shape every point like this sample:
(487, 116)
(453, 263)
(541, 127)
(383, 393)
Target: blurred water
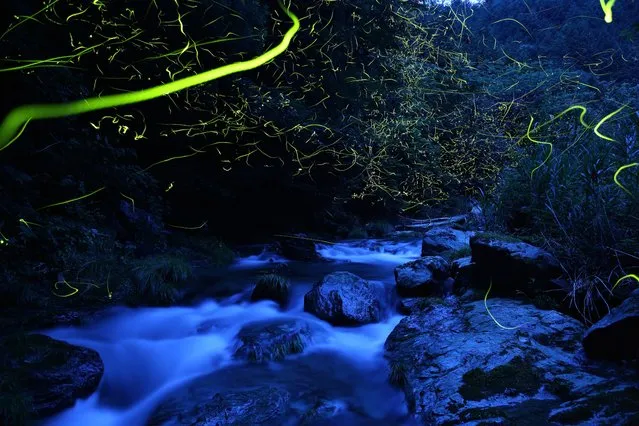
(150, 352)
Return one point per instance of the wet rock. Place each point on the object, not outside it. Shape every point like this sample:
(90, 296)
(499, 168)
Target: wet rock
(456, 365)
(616, 406)
(422, 277)
(513, 265)
(264, 405)
(462, 272)
(616, 336)
(272, 287)
(343, 298)
(48, 374)
(413, 305)
(273, 340)
(445, 239)
(322, 413)
(297, 247)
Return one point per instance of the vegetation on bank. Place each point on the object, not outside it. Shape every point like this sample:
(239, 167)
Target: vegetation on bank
(347, 126)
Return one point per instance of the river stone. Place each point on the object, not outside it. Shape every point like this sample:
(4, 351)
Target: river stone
(422, 277)
(616, 335)
(272, 340)
(272, 287)
(51, 374)
(455, 365)
(513, 265)
(297, 247)
(343, 298)
(462, 273)
(322, 412)
(264, 405)
(445, 239)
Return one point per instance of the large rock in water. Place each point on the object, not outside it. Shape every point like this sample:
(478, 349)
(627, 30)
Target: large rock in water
(343, 298)
(273, 340)
(512, 264)
(616, 336)
(445, 239)
(457, 366)
(264, 405)
(422, 277)
(297, 247)
(51, 374)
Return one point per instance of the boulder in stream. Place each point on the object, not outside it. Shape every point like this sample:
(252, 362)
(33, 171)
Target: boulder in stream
(297, 247)
(457, 366)
(264, 405)
(422, 277)
(446, 239)
(272, 287)
(273, 340)
(45, 376)
(343, 298)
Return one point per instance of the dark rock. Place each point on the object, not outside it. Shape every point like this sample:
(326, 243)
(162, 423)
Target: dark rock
(413, 305)
(51, 374)
(448, 286)
(462, 271)
(297, 247)
(264, 405)
(616, 335)
(272, 340)
(422, 277)
(445, 239)
(272, 287)
(513, 265)
(322, 413)
(456, 365)
(343, 298)
(612, 407)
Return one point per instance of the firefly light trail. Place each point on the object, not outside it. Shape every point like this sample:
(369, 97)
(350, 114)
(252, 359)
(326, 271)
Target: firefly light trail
(17, 119)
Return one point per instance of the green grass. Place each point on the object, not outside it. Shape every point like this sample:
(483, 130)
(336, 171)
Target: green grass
(397, 375)
(157, 278)
(458, 254)
(272, 287)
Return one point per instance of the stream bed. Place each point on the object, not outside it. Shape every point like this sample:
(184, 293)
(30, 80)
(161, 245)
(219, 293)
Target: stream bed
(178, 353)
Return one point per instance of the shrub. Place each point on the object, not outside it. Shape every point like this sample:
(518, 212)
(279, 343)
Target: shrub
(272, 287)
(157, 277)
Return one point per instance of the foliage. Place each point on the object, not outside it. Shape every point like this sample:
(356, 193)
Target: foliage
(397, 374)
(215, 251)
(157, 278)
(573, 203)
(273, 287)
(460, 253)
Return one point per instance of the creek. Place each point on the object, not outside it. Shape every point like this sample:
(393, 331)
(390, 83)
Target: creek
(150, 353)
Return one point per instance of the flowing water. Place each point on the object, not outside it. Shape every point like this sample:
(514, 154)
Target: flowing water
(150, 352)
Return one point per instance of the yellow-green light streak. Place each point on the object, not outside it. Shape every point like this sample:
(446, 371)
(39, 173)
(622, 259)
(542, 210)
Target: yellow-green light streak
(538, 142)
(491, 315)
(71, 200)
(615, 177)
(72, 290)
(606, 6)
(633, 276)
(602, 121)
(189, 228)
(17, 119)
